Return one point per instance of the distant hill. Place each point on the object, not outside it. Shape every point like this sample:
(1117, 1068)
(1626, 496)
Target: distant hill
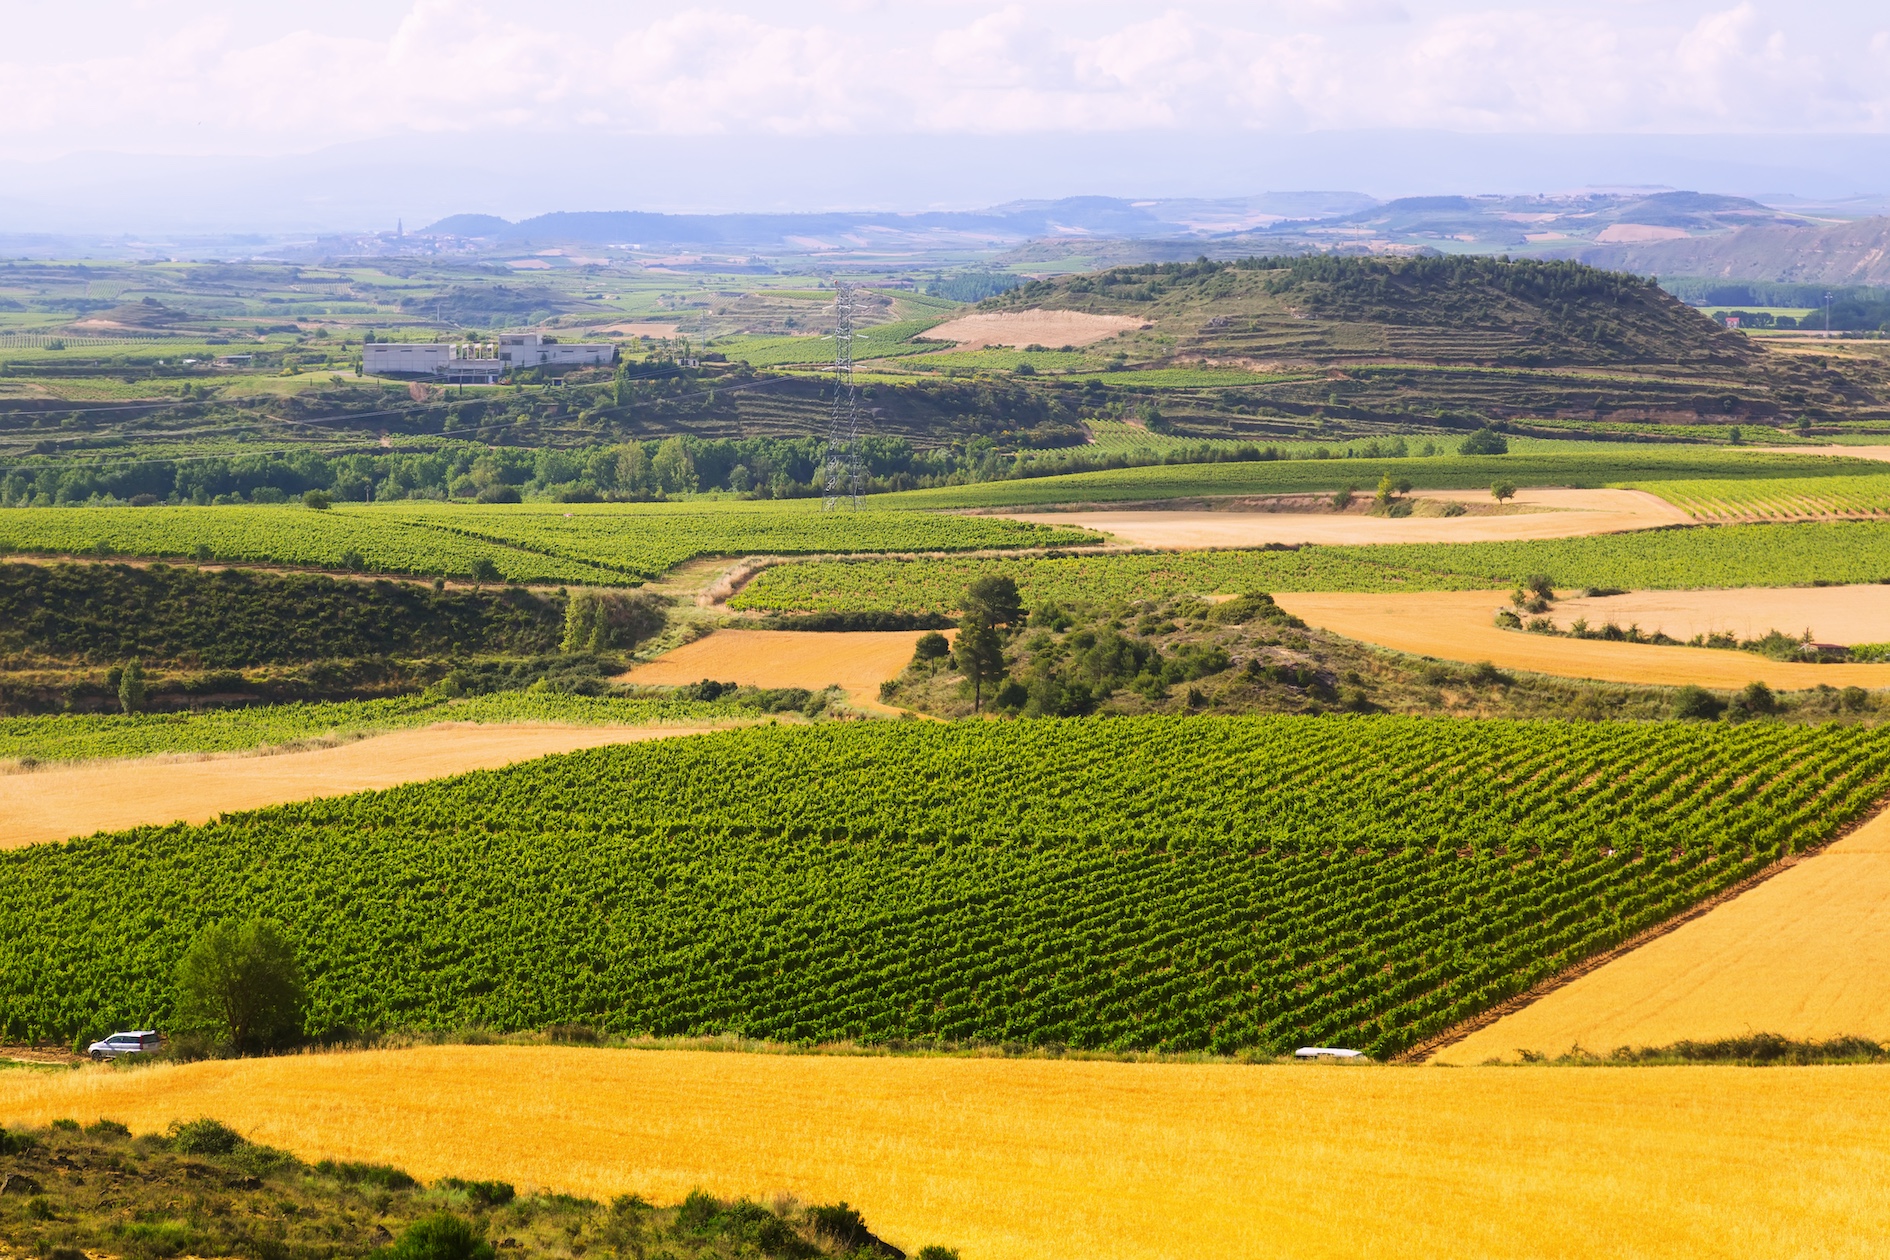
(1841, 253)
(1464, 309)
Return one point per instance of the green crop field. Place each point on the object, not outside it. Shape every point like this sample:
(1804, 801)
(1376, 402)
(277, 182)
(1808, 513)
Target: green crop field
(1783, 498)
(583, 544)
(1588, 467)
(98, 736)
(878, 342)
(1171, 883)
(1718, 556)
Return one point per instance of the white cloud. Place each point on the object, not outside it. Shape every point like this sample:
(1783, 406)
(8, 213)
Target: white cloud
(178, 77)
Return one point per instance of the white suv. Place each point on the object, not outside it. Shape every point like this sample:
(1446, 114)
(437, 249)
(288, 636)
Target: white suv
(123, 1043)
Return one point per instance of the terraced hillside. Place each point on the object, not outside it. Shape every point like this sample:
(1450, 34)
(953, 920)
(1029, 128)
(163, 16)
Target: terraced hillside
(1414, 340)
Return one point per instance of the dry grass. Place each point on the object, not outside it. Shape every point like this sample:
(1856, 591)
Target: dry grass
(1031, 328)
(1460, 626)
(63, 801)
(1805, 954)
(857, 661)
(1571, 513)
(1046, 1159)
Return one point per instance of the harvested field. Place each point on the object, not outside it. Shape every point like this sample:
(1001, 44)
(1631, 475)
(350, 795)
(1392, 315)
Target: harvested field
(1848, 452)
(1053, 1159)
(1564, 514)
(857, 662)
(57, 803)
(1805, 954)
(1031, 328)
(637, 328)
(1833, 614)
(1459, 626)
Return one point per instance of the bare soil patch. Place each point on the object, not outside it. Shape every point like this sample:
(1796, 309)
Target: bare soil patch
(1557, 513)
(1032, 328)
(58, 802)
(1804, 954)
(1460, 626)
(1880, 453)
(856, 661)
(637, 328)
(1834, 614)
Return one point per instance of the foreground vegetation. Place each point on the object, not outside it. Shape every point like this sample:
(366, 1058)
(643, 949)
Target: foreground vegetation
(1722, 556)
(1225, 884)
(200, 1189)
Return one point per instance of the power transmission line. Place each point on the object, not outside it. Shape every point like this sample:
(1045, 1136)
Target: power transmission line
(843, 480)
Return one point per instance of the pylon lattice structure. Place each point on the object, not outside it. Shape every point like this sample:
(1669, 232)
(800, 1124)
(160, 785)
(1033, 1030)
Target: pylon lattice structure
(843, 480)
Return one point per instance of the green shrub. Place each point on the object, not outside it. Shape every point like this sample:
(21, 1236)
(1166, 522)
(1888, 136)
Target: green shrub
(204, 1137)
(1696, 703)
(441, 1236)
(483, 1194)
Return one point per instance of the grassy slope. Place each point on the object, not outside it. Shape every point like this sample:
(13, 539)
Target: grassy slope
(1229, 883)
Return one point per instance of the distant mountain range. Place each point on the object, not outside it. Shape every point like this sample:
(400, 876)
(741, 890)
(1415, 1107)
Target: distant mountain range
(1664, 232)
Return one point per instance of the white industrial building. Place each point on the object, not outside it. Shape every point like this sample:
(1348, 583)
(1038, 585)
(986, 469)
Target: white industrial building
(529, 350)
(467, 364)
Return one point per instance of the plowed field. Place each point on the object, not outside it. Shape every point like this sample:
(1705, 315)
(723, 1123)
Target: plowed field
(1567, 514)
(1460, 626)
(59, 802)
(1804, 955)
(857, 662)
(1032, 328)
(1062, 1159)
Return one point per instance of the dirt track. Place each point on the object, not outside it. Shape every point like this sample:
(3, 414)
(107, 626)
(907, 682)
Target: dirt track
(58, 802)
(1460, 626)
(858, 662)
(1569, 514)
(1806, 954)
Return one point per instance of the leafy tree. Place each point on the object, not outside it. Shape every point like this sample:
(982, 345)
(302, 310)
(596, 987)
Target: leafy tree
(931, 647)
(1485, 441)
(131, 686)
(242, 984)
(599, 621)
(1697, 703)
(979, 655)
(673, 470)
(994, 601)
(484, 570)
(1502, 490)
(1342, 498)
(317, 499)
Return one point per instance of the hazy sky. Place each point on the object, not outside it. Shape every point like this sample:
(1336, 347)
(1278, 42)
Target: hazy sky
(174, 76)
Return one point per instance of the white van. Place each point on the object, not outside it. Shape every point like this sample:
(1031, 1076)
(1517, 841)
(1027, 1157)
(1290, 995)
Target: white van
(119, 1044)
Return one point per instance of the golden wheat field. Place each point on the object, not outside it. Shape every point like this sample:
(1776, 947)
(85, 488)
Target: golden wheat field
(1805, 955)
(1048, 1159)
(1460, 626)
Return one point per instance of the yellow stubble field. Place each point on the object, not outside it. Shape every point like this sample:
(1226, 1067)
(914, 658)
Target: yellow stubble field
(1063, 1159)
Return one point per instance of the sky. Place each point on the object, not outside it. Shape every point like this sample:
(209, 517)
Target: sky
(90, 84)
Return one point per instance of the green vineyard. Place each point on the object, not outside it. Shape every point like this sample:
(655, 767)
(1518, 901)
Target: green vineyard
(1667, 559)
(1588, 466)
(579, 544)
(1141, 882)
(1781, 498)
(89, 736)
